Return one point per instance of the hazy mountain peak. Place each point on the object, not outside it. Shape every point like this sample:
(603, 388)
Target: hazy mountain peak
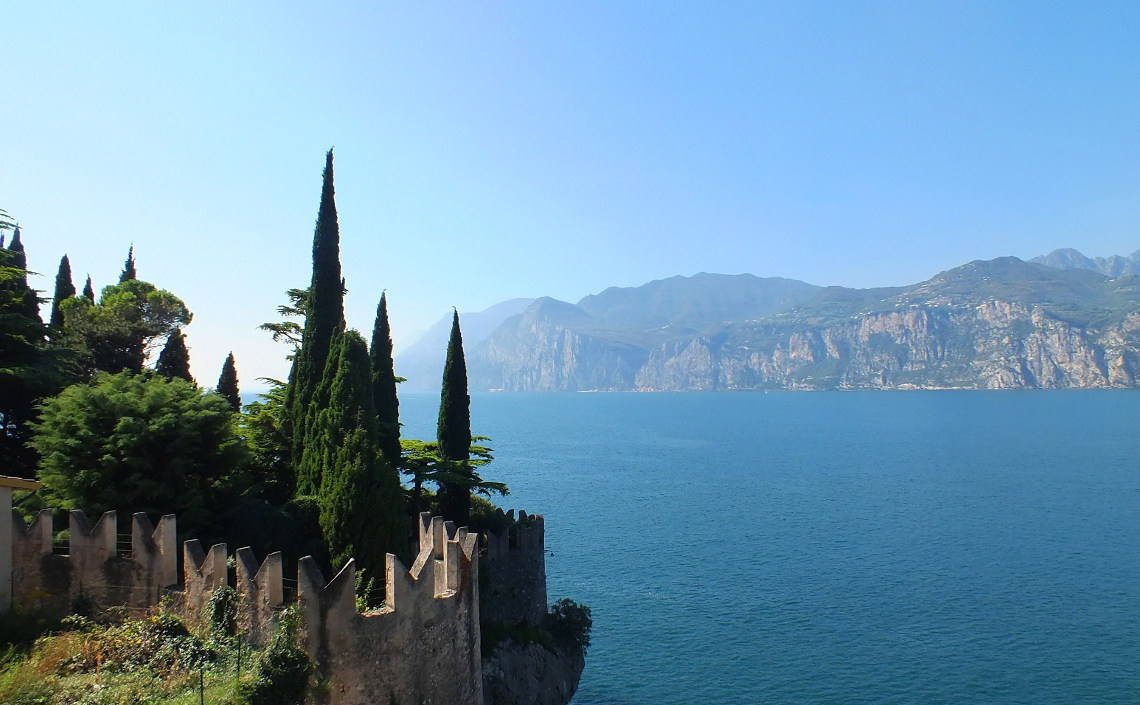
(1114, 266)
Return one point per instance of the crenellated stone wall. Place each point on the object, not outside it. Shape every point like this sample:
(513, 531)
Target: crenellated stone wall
(94, 573)
(423, 645)
(514, 566)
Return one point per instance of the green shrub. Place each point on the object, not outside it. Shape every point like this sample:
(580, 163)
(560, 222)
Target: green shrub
(571, 622)
(223, 612)
(281, 675)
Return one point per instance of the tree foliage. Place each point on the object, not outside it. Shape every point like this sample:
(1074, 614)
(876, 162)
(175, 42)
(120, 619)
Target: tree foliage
(174, 360)
(270, 462)
(89, 290)
(453, 431)
(384, 385)
(120, 331)
(28, 371)
(64, 289)
(129, 271)
(288, 331)
(228, 383)
(140, 443)
(324, 312)
(361, 501)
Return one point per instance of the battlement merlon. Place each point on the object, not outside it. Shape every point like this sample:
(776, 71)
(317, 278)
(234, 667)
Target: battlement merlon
(528, 534)
(156, 548)
(8, 485)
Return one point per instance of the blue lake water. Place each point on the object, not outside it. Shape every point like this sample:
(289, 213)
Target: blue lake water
(867, 547)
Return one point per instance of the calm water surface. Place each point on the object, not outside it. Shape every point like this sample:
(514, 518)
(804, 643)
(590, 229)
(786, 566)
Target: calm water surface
(914, 547)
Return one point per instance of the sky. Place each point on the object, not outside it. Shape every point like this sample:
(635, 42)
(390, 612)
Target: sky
(487, 151)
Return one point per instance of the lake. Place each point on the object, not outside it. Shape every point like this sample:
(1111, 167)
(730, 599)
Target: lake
(854, 547)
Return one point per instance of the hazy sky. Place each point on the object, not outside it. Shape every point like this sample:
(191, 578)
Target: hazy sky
(491, 150)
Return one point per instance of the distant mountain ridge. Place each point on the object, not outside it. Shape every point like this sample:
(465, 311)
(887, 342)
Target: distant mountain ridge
(421, 363)
(999, 323)
(1114, 266)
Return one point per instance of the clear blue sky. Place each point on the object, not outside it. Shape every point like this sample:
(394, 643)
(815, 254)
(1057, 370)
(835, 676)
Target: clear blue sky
(486, 151)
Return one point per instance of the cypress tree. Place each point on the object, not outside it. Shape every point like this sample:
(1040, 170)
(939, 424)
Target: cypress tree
(174, 360)
(361, 501)
(384, 385)
(129, 267)
(324, 313)
(88, 290)
(453, 431)
(26, 373)
(312, 465)
(228, 384)
(30, 303)
(64, 289)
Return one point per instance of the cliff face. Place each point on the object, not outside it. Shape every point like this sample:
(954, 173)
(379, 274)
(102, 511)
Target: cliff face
(994, 345)
(532, 674)
(987, 325)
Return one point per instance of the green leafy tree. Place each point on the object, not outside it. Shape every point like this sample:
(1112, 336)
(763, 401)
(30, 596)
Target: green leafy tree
(140, 443)
(88, 290)
(64, 289)
(130, 320)
(422, 463)
(453, 432)
(129, 272)
(361, 501)
(228, 383)
(324, 316)
(384, 385)
(174, 360)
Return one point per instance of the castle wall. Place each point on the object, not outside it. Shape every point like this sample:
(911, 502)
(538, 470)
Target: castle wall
(429, 626)
(423, 646)
(93, 573)
(514, 567)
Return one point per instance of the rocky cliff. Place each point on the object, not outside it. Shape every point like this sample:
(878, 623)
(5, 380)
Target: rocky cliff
(987, 325)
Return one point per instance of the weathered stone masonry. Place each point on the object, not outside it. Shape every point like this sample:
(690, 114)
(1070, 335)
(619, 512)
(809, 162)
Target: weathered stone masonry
(422, 646)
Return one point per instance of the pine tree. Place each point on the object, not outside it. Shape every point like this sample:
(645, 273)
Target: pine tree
(64, 289)
(361, 501)
(228, 384)
(88, 290)
(129, 267)
(174, 360)
(453, 431)
(324, 316)
(384, 385)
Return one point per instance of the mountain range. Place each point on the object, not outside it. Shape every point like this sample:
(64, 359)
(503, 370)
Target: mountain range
(1057, 321)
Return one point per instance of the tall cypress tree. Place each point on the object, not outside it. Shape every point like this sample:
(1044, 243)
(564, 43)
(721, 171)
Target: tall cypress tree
(228, 383)
(64, 289)
(174, 360)
(384, 385)
(361, 501)
(26, 375)
(313, 463)
(88, 290)
(129, 272)
(30, 302)
(453, 431)
(324, 314)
